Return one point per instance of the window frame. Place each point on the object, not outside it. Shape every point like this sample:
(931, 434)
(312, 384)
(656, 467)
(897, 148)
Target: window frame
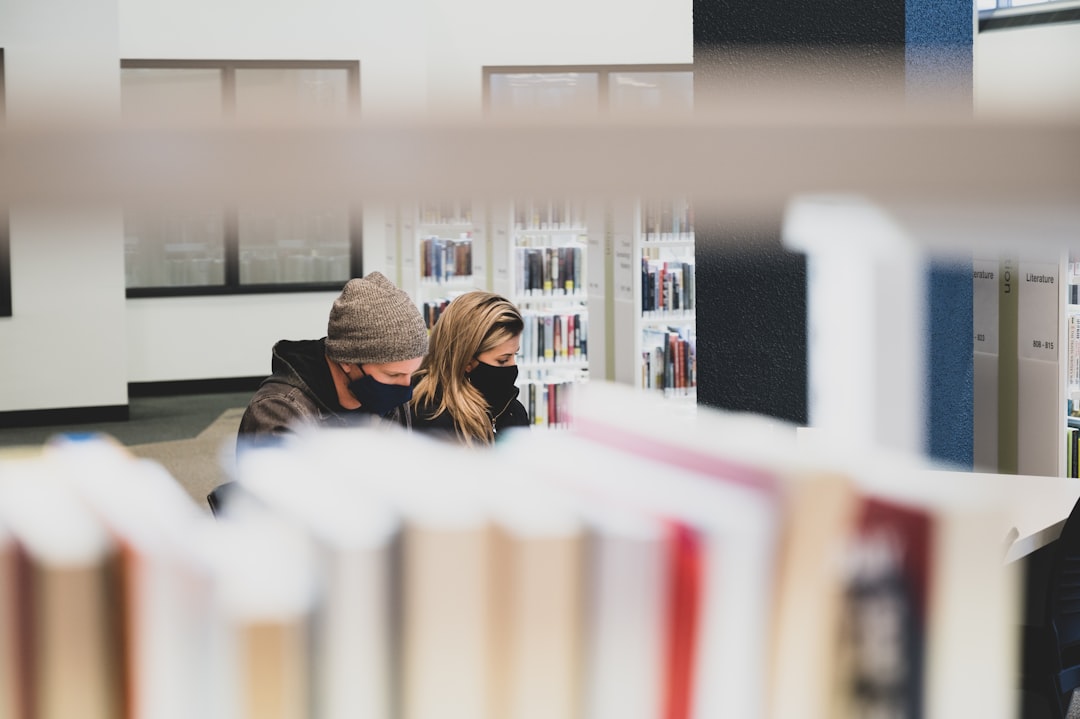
(1047, 12)
(603, 73)
(5, 233)
(232, 284)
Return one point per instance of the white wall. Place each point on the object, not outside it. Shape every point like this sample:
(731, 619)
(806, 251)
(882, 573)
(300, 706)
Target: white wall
(383, 36)
(415, 55)
(74, 341)
(465, 36)
(207, 337)
(1028, 71)
(65, 344)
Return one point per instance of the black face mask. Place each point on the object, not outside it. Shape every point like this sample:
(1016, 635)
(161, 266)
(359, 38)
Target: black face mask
(377, 397)
(495, 383)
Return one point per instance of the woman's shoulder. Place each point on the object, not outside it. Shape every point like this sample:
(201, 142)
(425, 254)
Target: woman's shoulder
(424, 415)
(516, 415)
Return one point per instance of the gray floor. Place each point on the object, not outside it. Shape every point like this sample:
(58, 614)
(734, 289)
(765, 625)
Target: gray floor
(191, 436)
(152, 419)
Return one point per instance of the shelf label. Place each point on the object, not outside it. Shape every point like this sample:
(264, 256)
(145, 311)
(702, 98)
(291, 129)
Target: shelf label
(500, 262)
(984, 290)
(1037, 322)
(624, 267)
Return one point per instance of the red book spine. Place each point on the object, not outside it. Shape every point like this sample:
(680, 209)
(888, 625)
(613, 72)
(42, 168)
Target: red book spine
(552, 417)
(686, 557)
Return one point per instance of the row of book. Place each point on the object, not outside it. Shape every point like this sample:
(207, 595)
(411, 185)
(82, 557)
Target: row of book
(548, 215)
(666, 286)
(667, 221)
(433, 309)
(443, 259)
(1073, 349)
(669, 360)
(548, 337)
(550, 270)
(549, 403)
(1072, 451)
(642, 564)
(554, 337)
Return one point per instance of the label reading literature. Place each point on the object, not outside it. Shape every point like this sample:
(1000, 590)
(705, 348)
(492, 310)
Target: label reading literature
(1037, 324)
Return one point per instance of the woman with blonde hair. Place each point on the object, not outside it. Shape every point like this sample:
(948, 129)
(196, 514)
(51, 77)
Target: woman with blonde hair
(466, 383)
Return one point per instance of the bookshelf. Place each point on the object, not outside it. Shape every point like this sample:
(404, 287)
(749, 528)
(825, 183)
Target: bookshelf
(438, 250)
(1071, 351)
(655, 312)
(540, 261)
(1022, 356)
(1041, 364)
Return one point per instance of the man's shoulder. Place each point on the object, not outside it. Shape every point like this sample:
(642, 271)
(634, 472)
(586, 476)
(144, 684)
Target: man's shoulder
(307, 349)
(281, 392)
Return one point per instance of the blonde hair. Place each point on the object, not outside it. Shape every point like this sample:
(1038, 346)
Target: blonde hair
(471, 324)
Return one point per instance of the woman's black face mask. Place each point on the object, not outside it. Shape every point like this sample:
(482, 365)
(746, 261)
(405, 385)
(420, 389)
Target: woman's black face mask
(377, 397)
(495, 383)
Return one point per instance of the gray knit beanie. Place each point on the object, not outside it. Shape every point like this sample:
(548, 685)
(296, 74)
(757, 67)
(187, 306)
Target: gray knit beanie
(374, 322)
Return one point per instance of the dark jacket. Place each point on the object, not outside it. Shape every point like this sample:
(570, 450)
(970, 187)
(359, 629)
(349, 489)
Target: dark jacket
(512, 414)
(301, 391)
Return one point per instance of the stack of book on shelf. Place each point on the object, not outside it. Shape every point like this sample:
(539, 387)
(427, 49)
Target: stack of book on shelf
(549, 271)
(667, 287)
(445, 260)
(644, 564)
(554, 337)
(433, 309)
(110, 608)
(669, 360)
(548, 402)
(1072, 445)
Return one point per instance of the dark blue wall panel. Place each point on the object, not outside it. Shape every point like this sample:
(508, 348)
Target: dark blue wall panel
(938, 50)
(950, 372)
(752, 292)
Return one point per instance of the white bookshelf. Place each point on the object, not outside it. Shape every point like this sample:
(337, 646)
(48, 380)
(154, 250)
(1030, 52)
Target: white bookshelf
(438, 250)
(1043, 360)
(653, 301)
(1022, 391)
(1070, 354)
(541, 261)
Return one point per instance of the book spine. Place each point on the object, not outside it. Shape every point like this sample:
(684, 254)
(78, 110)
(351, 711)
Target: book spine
(571, 262)
(537, 261)
(644, 285)
(579, 267)
(553, 416)
(541, 347)
(552, 284)
(559, 350)
(583, 341)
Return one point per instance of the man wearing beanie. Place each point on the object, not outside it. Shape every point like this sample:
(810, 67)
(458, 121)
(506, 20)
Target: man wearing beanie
(360, 372)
